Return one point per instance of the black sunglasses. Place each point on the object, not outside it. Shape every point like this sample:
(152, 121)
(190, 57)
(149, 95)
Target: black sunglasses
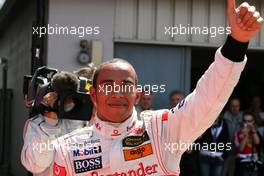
(248, 121)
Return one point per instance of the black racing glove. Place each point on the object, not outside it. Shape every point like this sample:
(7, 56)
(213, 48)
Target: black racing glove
(234, 50)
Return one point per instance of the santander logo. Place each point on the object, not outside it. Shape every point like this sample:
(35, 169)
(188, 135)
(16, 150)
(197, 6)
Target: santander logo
(140, 171)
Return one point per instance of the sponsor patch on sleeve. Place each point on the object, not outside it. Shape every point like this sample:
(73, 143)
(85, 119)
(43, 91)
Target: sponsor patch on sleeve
(165, 116)
(181, 103)
(178, 106)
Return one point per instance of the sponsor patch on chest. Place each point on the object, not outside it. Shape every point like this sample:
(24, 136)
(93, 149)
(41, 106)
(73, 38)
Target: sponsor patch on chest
(88, 164)
(138, 152)
(87, 151)
(150, 169)
(134, 141)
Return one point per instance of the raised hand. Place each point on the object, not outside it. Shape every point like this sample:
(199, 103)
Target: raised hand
(245, 21)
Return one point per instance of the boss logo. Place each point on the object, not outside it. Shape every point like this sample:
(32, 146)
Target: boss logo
(86, 165)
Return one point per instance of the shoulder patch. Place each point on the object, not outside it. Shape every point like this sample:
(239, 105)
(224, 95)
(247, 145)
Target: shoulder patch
(165, 115)
(181, 103)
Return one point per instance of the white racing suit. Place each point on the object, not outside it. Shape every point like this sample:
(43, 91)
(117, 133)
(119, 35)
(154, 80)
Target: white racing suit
(151, 146)
(39, 131)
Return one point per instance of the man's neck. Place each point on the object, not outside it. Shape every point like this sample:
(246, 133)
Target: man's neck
(102, 118)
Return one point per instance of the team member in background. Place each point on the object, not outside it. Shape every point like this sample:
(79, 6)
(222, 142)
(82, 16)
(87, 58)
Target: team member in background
(211, 160)
(87, 72)
(247, 141)
(42, 128)
(233, 118)
(256, 109)
(120, 144)
(175, 97)
(145, 101)
(261, 151)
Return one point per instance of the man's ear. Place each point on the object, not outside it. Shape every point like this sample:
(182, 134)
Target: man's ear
(138, 96)
(93, 95)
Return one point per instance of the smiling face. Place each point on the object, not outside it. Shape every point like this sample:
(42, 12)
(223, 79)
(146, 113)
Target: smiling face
(115, 94)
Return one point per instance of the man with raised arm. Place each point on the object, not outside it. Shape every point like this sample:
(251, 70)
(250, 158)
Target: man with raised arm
(119, 144)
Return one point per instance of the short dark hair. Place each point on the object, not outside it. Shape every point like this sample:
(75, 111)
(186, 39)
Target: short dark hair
(249, 113)
(174, 92)
(233, 98)
(64, 81)
(146, 91)
(115, 60)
